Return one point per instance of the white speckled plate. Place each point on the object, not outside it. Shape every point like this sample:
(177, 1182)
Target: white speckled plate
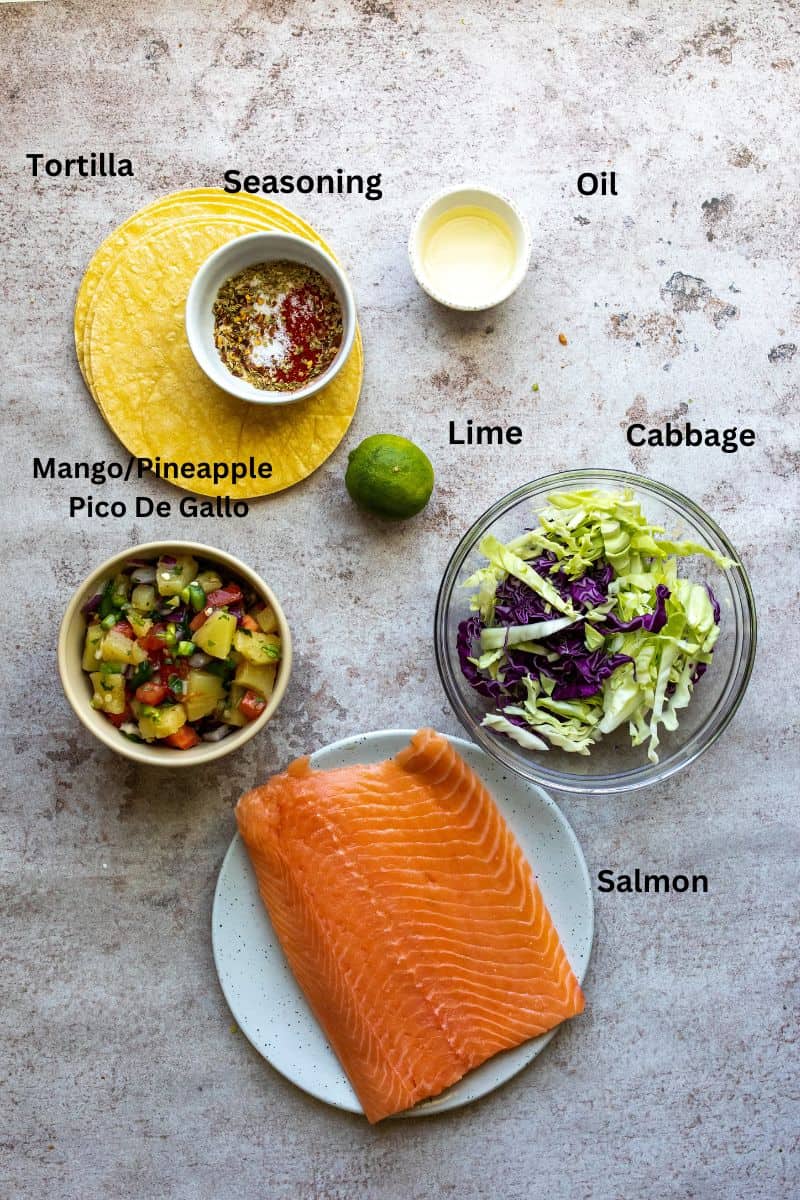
(262, 993)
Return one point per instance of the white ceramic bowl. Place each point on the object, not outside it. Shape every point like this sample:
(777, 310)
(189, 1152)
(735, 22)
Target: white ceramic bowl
(235, 256)
(504, 208)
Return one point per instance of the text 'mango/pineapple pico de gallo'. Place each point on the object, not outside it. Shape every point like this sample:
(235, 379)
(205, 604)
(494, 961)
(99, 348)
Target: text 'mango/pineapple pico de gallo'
(176, 655)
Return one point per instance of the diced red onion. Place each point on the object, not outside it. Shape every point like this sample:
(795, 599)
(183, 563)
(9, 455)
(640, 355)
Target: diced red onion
(176, 615)
(168, 560)
(93, 603)
(137, 562)
(145, 574)
(199, 659)
(216, 735)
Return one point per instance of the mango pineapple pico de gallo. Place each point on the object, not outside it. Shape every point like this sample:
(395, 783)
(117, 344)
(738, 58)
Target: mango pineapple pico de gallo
(176, 654)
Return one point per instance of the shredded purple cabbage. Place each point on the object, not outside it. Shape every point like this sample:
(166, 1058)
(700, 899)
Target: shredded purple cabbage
(512, 718)
(515, 669)
(517, 604)
(577, 673)
(714, 604)
(469, 631)
(652, 622)
(586, 593)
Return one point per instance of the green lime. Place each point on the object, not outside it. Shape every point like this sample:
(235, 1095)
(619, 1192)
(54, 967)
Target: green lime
(389, 476)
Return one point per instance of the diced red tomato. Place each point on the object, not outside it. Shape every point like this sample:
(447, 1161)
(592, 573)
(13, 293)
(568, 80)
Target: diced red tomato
(252, 705)
(247, 622)
(125, 628)
(151, 693)
(199, 620)
(153, 639)
(118, 719)
(178, 666)
(183, 738)
(230, 594)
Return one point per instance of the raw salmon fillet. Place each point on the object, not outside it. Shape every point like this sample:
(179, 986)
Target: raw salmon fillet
(409, 916)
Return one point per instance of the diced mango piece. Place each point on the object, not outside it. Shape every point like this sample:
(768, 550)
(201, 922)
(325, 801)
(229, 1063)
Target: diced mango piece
(258, 648)
(91, 647)
(139, 623)
(260, 679)
(109, 692)
(267, 619)
(116, 647)
(172, 578)
(202, 695)
(161, 722)
(143, 597)
(209, 581)
(215, 636)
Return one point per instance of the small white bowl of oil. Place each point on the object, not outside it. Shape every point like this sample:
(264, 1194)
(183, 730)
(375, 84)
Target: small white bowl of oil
(469, 248)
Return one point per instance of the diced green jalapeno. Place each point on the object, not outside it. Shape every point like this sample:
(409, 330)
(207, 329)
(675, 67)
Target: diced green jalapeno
(184, 649)
(196, 596)
(169, 636)
(109, 621)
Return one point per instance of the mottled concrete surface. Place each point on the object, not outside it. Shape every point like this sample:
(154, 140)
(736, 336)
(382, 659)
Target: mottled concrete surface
(120, 1074)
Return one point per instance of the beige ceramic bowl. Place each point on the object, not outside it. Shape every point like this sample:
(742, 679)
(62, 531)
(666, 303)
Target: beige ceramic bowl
(77, 685)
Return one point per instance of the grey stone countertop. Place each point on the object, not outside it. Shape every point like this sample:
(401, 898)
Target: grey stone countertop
(120, 1073)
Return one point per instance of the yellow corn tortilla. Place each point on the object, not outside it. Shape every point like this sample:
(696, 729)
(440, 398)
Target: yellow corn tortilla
(173, 208)
(144, 377)
(244, 224)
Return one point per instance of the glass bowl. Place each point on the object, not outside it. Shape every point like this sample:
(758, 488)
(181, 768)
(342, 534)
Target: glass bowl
(613, 764)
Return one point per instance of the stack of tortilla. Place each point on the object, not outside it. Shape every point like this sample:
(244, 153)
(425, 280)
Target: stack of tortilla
(135, 357)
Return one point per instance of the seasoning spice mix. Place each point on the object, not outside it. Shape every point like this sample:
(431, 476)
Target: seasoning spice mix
(278, 325)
